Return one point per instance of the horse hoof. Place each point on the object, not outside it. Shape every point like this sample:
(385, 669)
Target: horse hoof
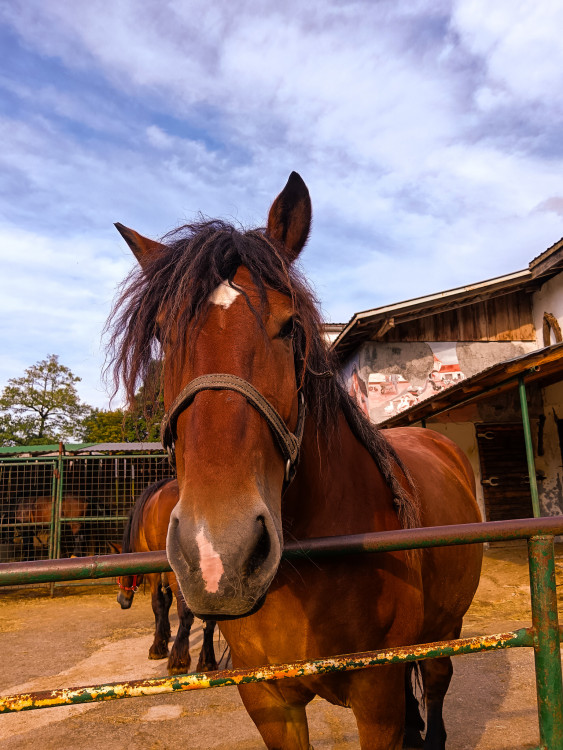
(178, 668)
(207, 666)
(412, 740)
(158, 654)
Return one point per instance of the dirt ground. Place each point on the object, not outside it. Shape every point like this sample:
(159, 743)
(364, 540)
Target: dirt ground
(82, 637)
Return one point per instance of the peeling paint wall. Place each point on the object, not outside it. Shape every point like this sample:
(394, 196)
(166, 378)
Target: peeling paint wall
(548, 299)
(387, 378)
(550, 464)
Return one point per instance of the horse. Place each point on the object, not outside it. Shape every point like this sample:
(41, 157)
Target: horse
(270, 447)
(39, 512)
(145, 531)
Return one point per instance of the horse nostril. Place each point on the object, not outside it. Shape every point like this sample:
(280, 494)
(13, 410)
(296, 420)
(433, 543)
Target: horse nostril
(261, 549)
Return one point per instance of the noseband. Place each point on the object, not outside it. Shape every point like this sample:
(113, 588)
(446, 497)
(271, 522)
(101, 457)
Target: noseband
(133, 587)
(288, 442)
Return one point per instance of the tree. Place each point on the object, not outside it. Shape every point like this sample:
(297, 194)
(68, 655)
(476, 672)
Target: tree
(103, 427)
(42, 406)
(144, 416)
(140, 422)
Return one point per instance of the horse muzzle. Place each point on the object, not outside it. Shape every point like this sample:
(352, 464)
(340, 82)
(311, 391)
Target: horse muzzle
(224, 575)
(124, 600)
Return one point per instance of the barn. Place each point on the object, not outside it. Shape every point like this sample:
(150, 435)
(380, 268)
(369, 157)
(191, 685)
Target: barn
(482, 364)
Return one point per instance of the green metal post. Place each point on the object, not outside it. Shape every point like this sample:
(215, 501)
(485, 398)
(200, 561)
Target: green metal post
(59, 505)
(54, 496)
(529, 447)
(57, 512)
(545, 622)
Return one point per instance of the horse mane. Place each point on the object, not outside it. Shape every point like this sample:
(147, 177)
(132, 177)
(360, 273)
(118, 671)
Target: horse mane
(135, 520)
(174, 286)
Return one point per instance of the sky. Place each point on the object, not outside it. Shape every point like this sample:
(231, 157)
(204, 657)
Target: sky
(429, 133)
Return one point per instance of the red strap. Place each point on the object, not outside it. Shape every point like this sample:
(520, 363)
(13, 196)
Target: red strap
(133, 586)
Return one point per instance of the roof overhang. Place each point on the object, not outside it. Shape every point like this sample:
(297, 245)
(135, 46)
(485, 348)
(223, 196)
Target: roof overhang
(371, 325)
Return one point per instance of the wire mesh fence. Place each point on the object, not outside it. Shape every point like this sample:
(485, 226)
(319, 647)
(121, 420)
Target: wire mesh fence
(67, 506)
(27, 503)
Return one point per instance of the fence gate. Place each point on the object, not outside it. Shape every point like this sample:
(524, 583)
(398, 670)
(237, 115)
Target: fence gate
(70, 505)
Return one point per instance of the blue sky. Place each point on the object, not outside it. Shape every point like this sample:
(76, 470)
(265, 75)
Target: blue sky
(429, 134)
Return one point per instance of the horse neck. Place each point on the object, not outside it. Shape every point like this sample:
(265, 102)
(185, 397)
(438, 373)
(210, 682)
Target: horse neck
(338, 488)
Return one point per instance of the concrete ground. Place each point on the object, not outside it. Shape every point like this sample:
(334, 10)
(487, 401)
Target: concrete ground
(82, 637)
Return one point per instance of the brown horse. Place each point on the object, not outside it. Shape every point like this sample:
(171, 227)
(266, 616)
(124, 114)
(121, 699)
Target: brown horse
(39, 512)
(249, 387)
(146, 531)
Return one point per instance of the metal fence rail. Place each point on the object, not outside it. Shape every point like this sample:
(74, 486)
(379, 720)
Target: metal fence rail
(543, 636)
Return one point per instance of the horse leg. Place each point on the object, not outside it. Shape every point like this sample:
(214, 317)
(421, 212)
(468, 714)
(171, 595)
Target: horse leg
(207, 662)
(437, 674)
(414, 723)
(377, 697)
(283, 726)
(161, 601)
(179, 660)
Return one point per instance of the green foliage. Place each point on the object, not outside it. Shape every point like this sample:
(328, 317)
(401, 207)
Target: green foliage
(138, 424)
(42, 406)
(103, 427)
(146, 412)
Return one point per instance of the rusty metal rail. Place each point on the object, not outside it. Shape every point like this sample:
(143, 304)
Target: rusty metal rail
(107, 566)
(227, 677)
(543, 636)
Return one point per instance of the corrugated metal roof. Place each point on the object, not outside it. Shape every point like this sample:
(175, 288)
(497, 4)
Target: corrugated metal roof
(14, 450)
(122, 447)
(46, 450)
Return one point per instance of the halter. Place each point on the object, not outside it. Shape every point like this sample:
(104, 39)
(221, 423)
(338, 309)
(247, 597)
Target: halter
(133, 586)
(288, 442)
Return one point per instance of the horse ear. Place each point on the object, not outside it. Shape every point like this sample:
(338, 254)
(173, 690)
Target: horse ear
(289, 220)
(142, 247)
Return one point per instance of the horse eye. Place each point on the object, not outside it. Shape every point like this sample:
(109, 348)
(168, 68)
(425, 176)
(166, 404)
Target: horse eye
(287, 330)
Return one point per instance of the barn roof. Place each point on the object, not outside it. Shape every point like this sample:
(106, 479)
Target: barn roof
(36, 450)
(123, 448)
(79, 448)
(374, 323)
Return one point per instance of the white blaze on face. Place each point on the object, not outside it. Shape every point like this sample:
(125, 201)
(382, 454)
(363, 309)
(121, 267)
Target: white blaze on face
(224, 295)
(209, 562)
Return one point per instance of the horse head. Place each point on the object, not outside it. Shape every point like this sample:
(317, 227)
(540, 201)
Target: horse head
(231, 383)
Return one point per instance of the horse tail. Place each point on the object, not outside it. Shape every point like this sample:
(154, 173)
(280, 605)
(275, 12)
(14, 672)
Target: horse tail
(414, 675)
(135, 520)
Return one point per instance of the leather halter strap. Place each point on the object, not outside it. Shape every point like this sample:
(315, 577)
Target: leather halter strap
(288, 442)
(133, 587)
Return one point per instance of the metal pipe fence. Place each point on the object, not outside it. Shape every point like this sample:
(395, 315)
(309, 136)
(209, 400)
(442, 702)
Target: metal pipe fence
(543, 636)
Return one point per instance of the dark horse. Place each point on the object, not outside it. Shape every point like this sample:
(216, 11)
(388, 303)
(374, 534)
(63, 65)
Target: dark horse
(145, 531)
(249, 386)
(37, 513)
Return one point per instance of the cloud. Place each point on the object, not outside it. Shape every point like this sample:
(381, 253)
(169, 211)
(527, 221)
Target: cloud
(426, 133)
(554, 204)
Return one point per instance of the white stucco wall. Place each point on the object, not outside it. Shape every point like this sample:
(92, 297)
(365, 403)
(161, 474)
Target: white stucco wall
(463, 434)
(548, 299)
